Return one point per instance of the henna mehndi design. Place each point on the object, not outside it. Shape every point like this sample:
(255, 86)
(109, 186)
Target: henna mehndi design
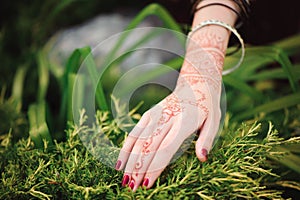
(202, 66)
(209, 39)
(205, 64)
(172, 106)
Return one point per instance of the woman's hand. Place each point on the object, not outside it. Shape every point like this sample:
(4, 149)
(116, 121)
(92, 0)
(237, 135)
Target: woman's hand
(193, 105)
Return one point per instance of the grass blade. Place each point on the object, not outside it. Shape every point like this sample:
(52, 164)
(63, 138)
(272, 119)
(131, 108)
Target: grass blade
(43, 75)
(77, 93)
(268, 107)
(38, 130)
(151, 75)
(290, 45)
(276, 54)
(152, 9)
(17, 90)
(72, 66)
(243, 87)
(274, 74)
(82, 56)
(89, 61)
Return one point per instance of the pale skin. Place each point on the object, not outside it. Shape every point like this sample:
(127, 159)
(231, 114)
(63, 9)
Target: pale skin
(193, 106)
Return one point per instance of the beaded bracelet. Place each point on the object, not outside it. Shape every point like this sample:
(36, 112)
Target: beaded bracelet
(233, 30)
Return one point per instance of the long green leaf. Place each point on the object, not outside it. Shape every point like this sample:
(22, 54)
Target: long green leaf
(243, 87)
(38, 130)
(274, 74)
(278, 104)
(152, 9)
(288, 68)
(89, 61)
(290, 45)
(78, 94)
(43, 73)
(71, 67)
(82, 56)
(152, 74)
(18, 86)
(251, 63)
(281, 57)
(141, 41)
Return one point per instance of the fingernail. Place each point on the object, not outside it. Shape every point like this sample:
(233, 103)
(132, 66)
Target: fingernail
(146, 182)
(125, 180)
(131, 184)
(204, 153)
(118, 165)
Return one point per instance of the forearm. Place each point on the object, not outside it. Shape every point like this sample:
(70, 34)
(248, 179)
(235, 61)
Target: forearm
(206, 47)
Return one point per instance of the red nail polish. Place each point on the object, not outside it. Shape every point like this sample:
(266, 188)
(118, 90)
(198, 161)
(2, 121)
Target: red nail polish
(204, 153)
(146, 182)
(125, 180)
(118, 165)
(131, 184)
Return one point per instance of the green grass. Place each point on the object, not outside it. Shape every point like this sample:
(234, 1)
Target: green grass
(238, 168)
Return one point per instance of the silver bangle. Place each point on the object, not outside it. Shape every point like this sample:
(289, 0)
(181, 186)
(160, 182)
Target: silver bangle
(233, 30)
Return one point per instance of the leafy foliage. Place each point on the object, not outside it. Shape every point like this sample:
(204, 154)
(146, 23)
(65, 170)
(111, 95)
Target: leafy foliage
(238, 168)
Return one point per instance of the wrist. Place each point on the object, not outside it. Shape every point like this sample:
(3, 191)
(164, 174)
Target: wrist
(223, 25)
(208, 38)
(205, 82)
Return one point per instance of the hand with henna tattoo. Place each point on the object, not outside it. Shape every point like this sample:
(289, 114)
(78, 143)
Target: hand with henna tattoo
(193, 106)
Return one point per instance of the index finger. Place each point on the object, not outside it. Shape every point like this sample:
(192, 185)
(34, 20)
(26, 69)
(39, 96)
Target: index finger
(130, 141)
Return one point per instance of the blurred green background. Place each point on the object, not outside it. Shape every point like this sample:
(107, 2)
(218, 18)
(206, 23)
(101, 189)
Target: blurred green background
(27, 25)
